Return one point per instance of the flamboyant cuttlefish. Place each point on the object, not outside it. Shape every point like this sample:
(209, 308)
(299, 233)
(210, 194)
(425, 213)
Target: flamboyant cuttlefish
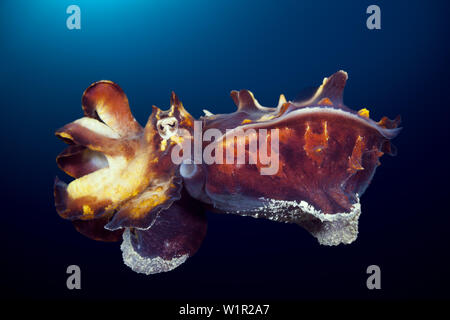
(304, 162)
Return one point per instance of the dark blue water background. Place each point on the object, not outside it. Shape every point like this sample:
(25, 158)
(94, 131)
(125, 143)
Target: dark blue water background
(202, 50)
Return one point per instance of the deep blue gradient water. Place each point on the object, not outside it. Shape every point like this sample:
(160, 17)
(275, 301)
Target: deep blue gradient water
(203, 50)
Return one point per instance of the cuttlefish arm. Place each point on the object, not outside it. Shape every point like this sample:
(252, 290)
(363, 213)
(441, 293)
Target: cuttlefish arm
(125, 182)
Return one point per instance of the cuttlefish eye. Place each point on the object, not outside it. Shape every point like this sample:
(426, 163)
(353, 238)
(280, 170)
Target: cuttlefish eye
(167, 127)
